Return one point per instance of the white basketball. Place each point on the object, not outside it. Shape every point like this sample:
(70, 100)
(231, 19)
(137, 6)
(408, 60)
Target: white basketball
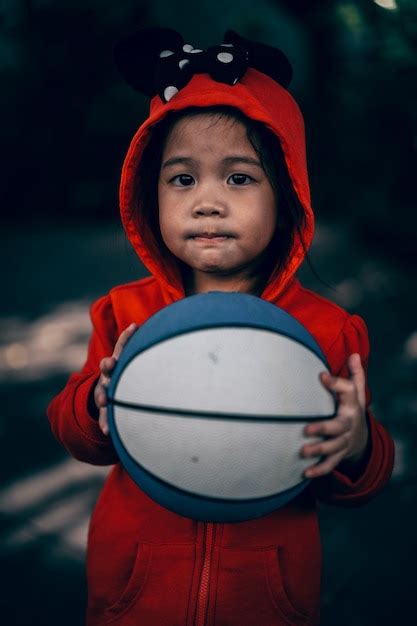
(208, 404)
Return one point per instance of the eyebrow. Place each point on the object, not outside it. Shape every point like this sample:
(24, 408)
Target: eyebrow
(230, 159)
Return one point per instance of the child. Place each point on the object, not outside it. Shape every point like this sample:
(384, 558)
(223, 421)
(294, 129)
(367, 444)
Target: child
(214, 196)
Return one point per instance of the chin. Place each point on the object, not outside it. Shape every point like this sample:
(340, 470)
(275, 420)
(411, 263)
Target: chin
(211, 270)
(207, 265)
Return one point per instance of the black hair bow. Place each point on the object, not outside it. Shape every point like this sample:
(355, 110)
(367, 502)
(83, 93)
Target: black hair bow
(158, 61)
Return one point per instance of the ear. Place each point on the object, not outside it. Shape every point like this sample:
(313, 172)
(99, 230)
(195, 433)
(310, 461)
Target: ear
(264, 58)
(136, 55)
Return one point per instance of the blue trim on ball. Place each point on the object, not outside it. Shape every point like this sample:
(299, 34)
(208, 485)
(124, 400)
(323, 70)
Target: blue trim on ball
(198, 507)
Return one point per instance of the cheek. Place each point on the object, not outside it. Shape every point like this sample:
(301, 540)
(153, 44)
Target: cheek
(166, 226)
(270, 219)
(262, 228)
(166, 223)
(170, 231)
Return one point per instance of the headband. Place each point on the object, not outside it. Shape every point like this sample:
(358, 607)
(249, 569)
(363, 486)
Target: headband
(158, 61)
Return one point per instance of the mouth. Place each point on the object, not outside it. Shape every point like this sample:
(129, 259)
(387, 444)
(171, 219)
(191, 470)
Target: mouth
(210, 235)
(210, 239)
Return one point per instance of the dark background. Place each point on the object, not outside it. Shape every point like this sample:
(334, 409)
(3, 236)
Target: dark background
(67, 120)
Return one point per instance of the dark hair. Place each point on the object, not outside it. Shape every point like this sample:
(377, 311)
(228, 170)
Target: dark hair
(268, 148)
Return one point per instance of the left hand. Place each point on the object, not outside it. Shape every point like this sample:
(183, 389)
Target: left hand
(346, 435)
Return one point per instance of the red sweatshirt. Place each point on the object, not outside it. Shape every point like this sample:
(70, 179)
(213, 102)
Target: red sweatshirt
(145, 564)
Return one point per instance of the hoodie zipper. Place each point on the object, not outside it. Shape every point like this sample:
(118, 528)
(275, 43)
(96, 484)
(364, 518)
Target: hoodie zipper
(203, 591)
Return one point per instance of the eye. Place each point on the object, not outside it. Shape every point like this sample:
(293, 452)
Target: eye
(238, 179)
(186, 180)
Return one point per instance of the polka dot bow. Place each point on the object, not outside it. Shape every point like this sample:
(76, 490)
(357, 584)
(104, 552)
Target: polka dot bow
(159, 61)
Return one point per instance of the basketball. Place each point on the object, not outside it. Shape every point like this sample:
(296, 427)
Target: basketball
(208, 402)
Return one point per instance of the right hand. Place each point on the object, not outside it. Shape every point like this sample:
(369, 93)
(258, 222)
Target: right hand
(106, 367)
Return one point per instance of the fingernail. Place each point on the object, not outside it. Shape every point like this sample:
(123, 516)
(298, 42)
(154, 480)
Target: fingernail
(132, 326)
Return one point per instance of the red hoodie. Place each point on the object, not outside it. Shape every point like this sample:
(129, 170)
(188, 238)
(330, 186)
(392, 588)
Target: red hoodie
(145, 564)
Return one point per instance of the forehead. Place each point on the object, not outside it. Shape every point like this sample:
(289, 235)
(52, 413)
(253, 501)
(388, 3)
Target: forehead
(207, 130)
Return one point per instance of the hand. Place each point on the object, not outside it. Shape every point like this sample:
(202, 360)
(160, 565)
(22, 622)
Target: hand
(106, 367)
(346, 435)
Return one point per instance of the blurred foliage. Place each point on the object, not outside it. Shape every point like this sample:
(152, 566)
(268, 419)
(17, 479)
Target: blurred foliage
(68, 117)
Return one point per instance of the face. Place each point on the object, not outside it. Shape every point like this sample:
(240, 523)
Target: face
(217, 208)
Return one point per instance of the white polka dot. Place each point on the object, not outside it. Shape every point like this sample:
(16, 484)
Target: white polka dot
(187, 47)
(225, 57)
(227, 45)
(195, 50)
(169, 92)
(235, 81)
(183, 62)
(165, 53)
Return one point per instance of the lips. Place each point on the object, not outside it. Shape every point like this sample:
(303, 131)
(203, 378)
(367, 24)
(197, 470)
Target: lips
(211, 235)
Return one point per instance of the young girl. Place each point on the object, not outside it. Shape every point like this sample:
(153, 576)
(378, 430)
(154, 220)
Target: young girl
(214, 196)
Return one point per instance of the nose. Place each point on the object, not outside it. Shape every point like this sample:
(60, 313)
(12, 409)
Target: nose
(209, 200)
(209, 209)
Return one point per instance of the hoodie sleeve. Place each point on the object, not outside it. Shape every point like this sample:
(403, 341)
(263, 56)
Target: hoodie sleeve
(345, 485)
(72, 414)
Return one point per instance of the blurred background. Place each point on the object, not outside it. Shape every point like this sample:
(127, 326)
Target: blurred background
(67, 120)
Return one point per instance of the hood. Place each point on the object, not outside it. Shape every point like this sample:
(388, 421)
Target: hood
(257, 96)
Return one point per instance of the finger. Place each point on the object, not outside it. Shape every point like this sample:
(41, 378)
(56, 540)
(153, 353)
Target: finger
(103, 421)
(100, 392)
(327, 466)
(100, 396)
(107, 365)
(327, 448)
(358, 376)
(333, 427)
(345, 387)
(122, 341)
